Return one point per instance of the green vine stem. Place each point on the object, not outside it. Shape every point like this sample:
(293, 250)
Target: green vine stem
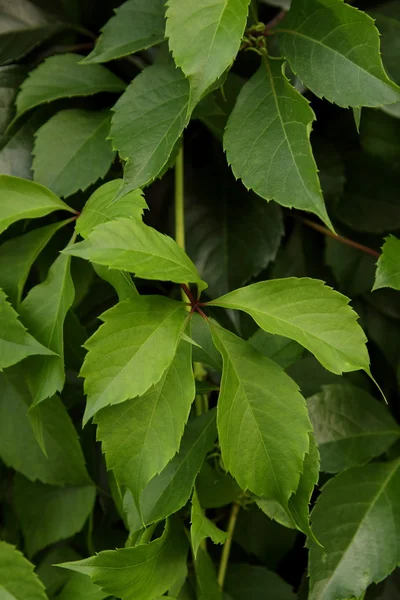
(223, 565)
(179, 200)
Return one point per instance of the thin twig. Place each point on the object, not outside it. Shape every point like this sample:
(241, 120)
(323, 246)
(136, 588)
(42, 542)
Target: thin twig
(223, 565)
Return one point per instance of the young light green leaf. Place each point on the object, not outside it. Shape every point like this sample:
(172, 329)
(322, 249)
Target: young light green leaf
(17, 578)
(49, 514)
(358, 499)
(250, 581)
(43, 311)
(388, 265)
(104, 205)
(140, 436)
(205, 42)
(136, 25)
(334, 49)
(19, 449)
(308, 312)
(148, 121)
(139, 573)
(117, 365)
(202, 528)
(168, 492)
(351, 427)
(17, 256)
(263, 424)
(130, 245)
(267, 141)
(22, 199)
(15, 342)
(80, 587)
(62, 76)
(72, 151)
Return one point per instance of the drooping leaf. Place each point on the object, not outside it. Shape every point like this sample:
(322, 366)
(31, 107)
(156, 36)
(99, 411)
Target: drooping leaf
(11, 78)
(140, 436)
(24, 26)
(143, 572)
(43, 311)
(104, 205)
(262, 421)
(281, 350)
(61, 76)
(17, 578)
(246, 582)
(358, 510)
(48, 514)
(15, 342)
(267, 141)
(231, 234)
(136, 25)
(130, 245)
(22, 199)
(117, 365)
(168, 492)
(72, 151)
(388, 266)
(202, 528)
(205, 42)
(17, 256)
(308, 312)
(351, 427)
(148, 121)
(80, 587)
(19, 449)
(334, 49)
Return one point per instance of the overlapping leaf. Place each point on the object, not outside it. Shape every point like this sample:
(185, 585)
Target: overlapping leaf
(16, 152)
(140, 436)
(334, 49)
(202, 528)
(71, 150)
(137, 24)
(358, 510)
(205, 42)
(388, 266)
(267, 141)
(262, 421)
(17, 578)
(80, 587)
(308, 312)
(117, 366)
(11, 78)
(22, 199)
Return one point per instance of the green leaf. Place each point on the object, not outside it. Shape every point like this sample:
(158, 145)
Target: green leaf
(43, 311)
(49, 514)
(72, 150)
(17, 578)
(16, 152)
(117, 365)
(248, 582)
(137, 573)
(207, 352)
(136, 25)
(308, 312)
(22, 199)
(354, 270)
(11, 78)
(53, 577)
(119, 280)
(351, 427)
(61, 76)
(17, 256)
(206, 578)
(202, 528)
(267, 141)
(64, 463)
(80, 587)
(216, 488)
(231, 234)
(168, 492)
(104, 205)
(23, 27)
(15, 342)
(365, 501)
(205, 42)
(262, 421)
(388, 265)
(281, 350)
(130, 245)
(148, 121)
(140, 436)
(341, 44)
